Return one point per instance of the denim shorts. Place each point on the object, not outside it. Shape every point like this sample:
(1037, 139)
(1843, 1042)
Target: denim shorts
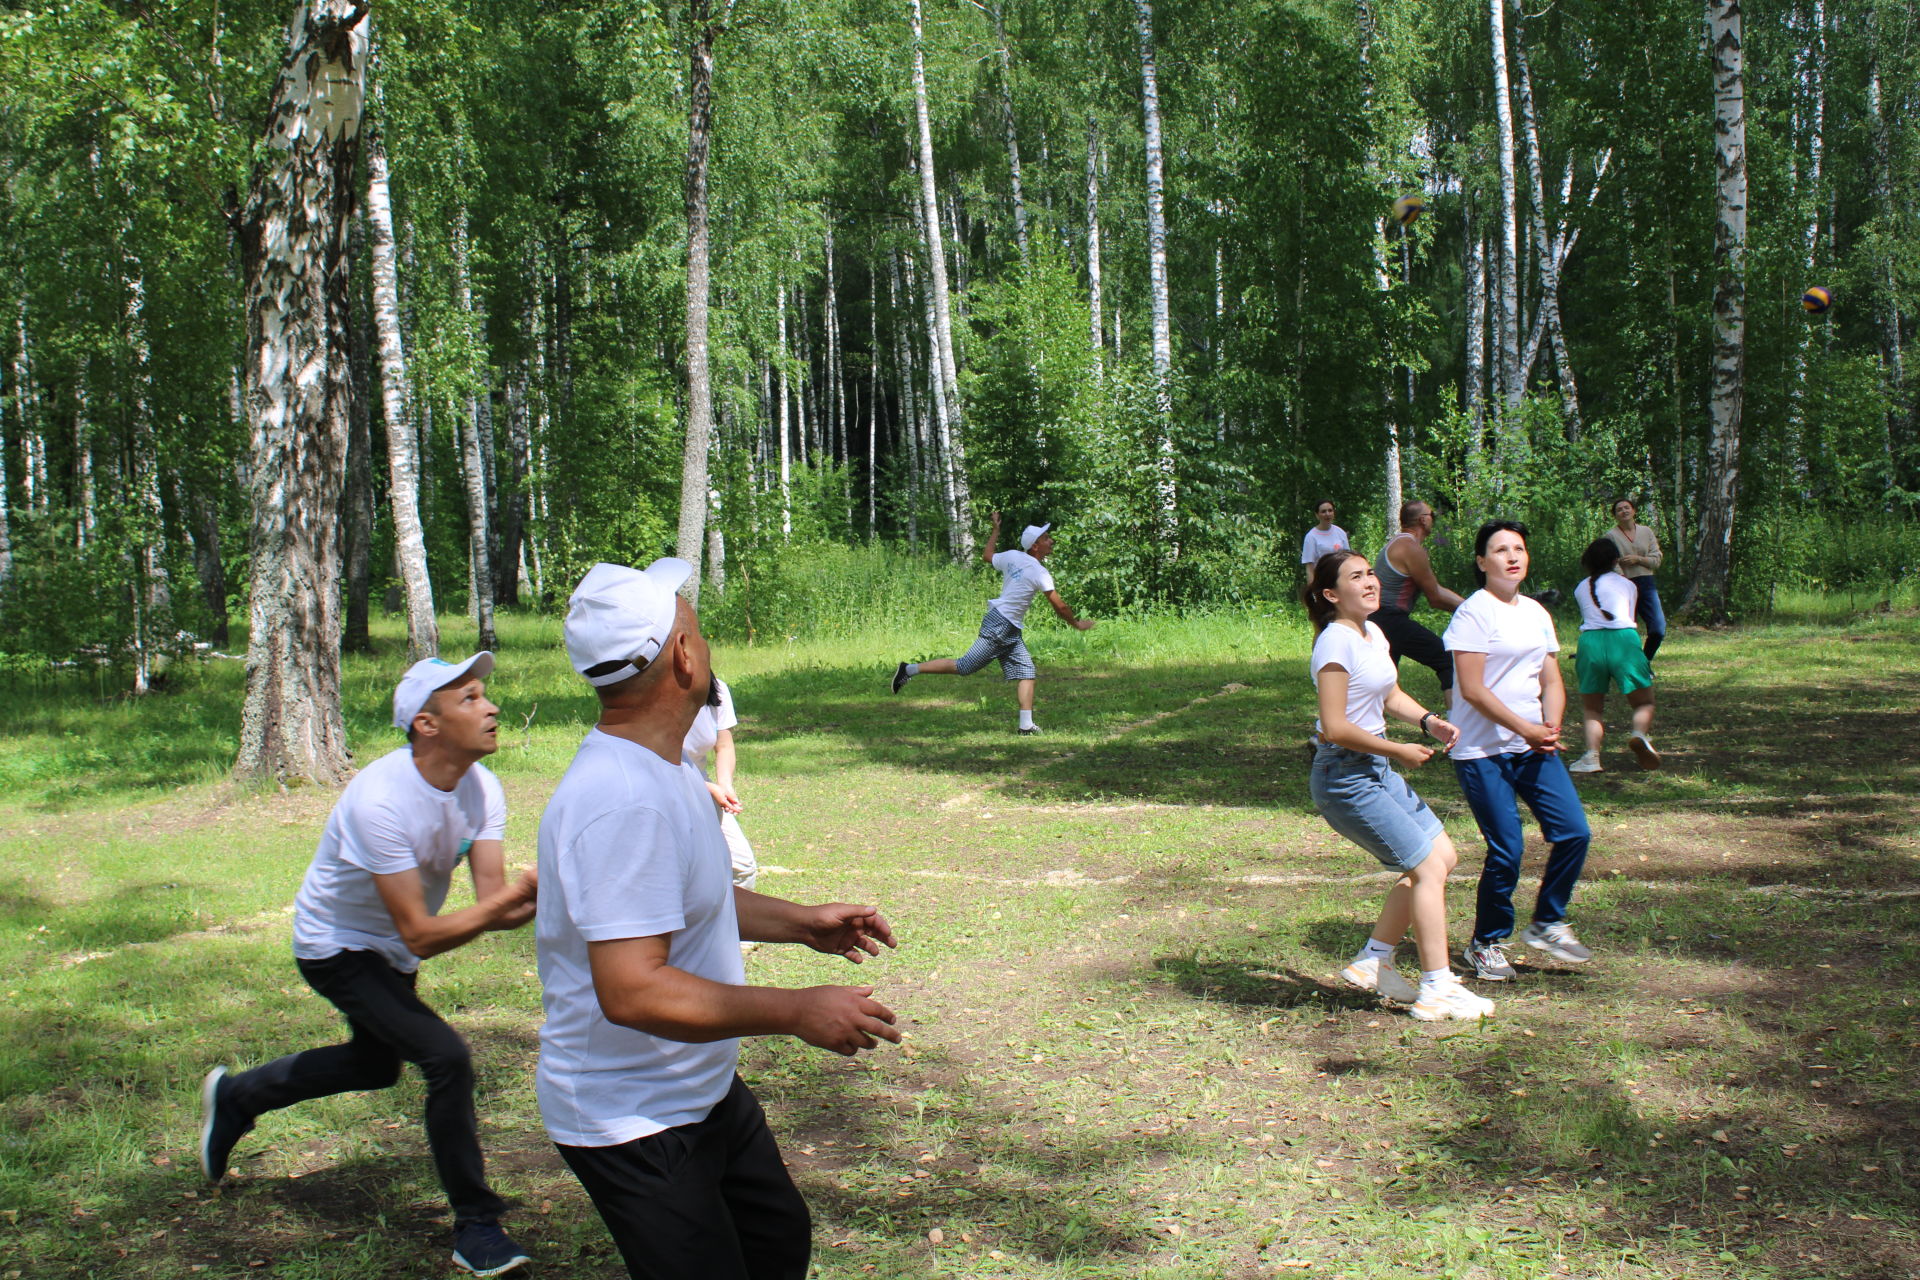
(1363, 799)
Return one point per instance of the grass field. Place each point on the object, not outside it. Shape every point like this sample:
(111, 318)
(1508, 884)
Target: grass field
(1128, 1054)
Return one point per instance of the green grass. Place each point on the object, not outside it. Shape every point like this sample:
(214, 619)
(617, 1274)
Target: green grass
(1128, 1055)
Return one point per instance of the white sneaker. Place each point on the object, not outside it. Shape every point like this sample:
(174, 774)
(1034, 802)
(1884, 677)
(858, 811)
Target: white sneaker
(1450, 1001)
(1588, 763)
(1383, 979)
(1643, 751)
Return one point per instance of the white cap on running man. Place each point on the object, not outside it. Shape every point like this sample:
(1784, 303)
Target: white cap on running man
(623, 616)
(1031, 534)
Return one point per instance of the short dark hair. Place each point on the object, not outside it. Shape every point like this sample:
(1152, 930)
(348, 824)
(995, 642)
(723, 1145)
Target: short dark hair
(1410, 512)
(1324, 502)
(1482, 538)
(1615, 504)
(1325, 576)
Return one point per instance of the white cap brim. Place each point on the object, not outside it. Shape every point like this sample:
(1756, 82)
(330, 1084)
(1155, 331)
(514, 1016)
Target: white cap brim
(427, 677)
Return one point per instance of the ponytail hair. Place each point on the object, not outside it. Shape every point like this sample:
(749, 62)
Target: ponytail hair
(1324, 578)
(1601, 556)
(1482, 538)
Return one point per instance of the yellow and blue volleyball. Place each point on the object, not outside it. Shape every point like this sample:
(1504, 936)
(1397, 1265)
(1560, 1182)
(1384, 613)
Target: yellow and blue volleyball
(1816, 300)
(1407, 208)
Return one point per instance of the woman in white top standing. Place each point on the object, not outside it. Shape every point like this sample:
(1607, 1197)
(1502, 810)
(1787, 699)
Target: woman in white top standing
(1508, 700)
(1610, 653)
(1363, 799)
(710, 743)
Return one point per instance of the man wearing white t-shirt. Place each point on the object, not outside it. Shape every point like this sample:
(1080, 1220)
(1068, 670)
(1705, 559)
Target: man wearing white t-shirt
(1024, 575)
(1325, 536)
(369, 912)
(638, 938)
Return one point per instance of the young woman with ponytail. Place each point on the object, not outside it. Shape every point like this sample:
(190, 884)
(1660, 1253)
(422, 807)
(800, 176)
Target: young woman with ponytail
(1363, 799)
(1610, 653)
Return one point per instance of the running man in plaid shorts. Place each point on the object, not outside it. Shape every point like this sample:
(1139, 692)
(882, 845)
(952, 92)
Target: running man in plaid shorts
(1025, 576)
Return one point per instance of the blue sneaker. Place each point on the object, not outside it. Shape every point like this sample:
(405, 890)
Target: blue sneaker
(221, 1124)
(483, 1249)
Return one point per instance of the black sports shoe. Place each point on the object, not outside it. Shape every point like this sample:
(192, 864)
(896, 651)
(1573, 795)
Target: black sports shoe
(1028, 733)
(900, 677)
(485, 1250)
(221, 1125)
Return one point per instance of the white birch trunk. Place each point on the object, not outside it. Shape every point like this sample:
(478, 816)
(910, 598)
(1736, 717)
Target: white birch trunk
(695, 451)
(1887, 304)
(1543, 242)
(396, 395)
(1167, 498)
(1709, 592)
(1475, 394)
(781, 412)
(873, 402)
(1097, 324)
(293, 237)
(996, 12)
(152, 592)
(1507, 292)
(474, 455)
(946, 367)
(1809, 120)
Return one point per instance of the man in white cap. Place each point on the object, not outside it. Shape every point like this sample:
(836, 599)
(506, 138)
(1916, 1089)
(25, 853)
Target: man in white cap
(369, 912)
(646, 996)
(1024, 575)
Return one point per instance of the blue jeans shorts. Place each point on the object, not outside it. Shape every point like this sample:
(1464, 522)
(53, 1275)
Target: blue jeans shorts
(1363, 799)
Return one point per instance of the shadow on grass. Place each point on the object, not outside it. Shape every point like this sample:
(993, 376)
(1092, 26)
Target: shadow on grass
(1235, 982)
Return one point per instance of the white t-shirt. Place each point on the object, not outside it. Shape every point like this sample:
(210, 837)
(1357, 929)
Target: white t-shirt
(1370, 675)
(697, 750)
(1518, 640)
(1024, 578)
(1618, 595)
(389, 820)
(629, 849)
(1317, 544)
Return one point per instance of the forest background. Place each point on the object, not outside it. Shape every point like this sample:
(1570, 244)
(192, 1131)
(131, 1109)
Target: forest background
(803, 289)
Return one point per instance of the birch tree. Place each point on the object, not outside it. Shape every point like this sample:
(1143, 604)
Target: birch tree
(946, 367)
(1167, 499)
(1507, 287)
(1708, 593)
(292, 232)
(396, 395)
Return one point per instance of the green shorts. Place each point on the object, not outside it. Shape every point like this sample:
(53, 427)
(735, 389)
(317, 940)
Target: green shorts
(1612, 656)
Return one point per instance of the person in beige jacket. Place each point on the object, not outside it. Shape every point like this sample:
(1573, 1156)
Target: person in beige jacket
(1640, 558)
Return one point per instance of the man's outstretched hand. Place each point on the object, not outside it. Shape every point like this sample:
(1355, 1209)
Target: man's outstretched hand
(844, 929)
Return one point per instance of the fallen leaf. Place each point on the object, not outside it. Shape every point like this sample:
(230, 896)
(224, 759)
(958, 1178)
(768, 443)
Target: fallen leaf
(936, 1236)
(1720, 1135)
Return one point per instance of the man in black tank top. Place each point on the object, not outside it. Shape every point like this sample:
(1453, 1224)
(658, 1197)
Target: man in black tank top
(1406, 574)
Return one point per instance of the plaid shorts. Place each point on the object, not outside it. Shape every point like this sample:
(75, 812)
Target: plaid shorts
(998, 639)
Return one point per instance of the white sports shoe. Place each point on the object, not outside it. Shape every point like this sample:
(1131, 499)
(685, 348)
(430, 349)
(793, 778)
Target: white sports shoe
(1588, 763)
(1370, 975)
(1451, 1001)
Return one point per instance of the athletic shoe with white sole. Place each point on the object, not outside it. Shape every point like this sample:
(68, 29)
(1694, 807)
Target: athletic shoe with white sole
(1488, 960)
(221, 1125)
(900, 677)
(1557, 940)
(1588, 763)
(1383, 979)
(485, 1250)
(1450, 1001)
(1643, 751)
(1028, 733)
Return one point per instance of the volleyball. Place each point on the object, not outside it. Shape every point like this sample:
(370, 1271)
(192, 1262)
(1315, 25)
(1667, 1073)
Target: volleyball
(1816, 300)
(1407, 208)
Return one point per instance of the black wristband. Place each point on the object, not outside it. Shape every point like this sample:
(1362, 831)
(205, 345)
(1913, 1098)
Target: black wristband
(1423, 722)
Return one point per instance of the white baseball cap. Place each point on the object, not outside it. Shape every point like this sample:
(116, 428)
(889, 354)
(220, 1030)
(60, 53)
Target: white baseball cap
(1031, 534)
(623, 615)
(426, 676)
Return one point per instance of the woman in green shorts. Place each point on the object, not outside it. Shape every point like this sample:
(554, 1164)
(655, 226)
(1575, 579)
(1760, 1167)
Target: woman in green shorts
(1609, 654)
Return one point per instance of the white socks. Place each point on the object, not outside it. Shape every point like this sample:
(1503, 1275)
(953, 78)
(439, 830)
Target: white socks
(1434, 981)
(1026, 719)
(1377, 950)
(913, 669)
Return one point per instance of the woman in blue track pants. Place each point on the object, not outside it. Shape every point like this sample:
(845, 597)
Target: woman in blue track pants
(1508, 702)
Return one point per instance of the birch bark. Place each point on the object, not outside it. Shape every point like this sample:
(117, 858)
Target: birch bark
(1887, 303)
(292, 232)
(1543, 242)
(946, 367)
(781, 413)
(997, 12)
(1166, 495)
(396, 394)
(1709, 593)
(357, 524)
(1097, 332)
(1507, 292)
